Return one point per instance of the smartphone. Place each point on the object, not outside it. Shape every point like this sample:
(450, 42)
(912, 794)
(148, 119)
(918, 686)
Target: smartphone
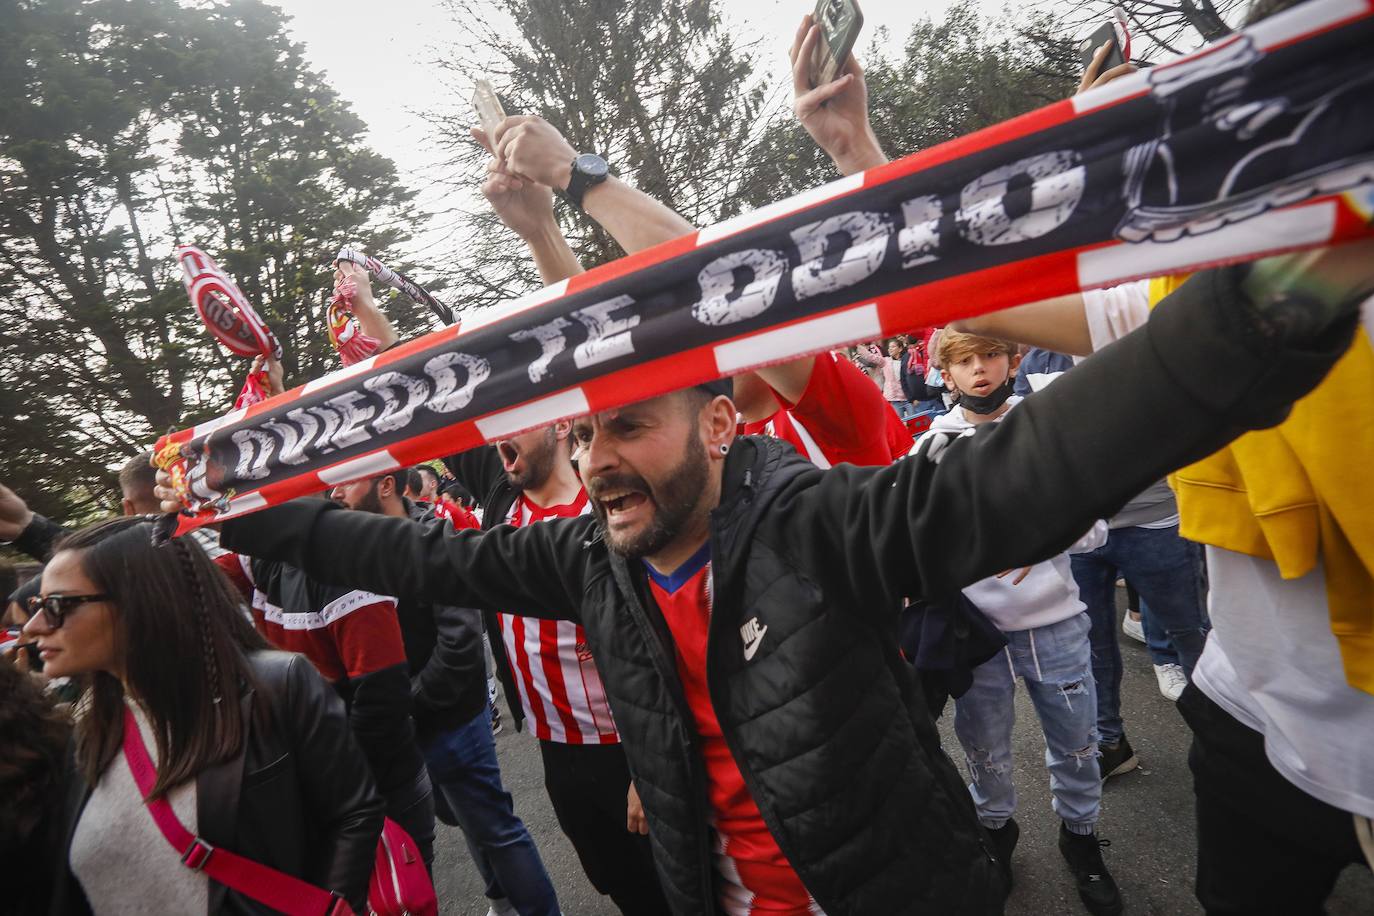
(489, 110)
(839, 21)
(1113, 31)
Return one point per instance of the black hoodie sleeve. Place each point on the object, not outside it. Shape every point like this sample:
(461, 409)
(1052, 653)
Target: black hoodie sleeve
(1199, 374)
(39, 537)
(535, 571)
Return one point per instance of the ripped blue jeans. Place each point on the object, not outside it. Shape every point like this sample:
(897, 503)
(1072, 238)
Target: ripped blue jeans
(1056, 663)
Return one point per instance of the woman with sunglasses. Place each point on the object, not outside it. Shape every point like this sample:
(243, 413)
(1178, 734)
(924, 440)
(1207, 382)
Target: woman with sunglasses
(250, 747)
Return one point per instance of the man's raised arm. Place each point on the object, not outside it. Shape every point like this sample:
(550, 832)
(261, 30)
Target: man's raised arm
(534, 571)
(1226, 353)
(533, 149)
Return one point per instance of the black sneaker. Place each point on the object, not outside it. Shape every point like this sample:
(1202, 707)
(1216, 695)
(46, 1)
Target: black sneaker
(1003, 841)
(1096, 888)
(495, 720)
(1116, 758)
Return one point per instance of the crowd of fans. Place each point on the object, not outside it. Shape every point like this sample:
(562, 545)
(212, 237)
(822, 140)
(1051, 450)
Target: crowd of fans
(731, 616)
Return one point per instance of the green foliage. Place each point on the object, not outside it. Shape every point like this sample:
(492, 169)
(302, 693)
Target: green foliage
(128, 126)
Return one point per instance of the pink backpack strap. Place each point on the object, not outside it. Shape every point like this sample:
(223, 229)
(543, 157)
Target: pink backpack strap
(266, 885)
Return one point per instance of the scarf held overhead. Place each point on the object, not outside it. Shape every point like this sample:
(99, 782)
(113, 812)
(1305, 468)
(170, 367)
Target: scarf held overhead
(1251, 146)
(227, 313)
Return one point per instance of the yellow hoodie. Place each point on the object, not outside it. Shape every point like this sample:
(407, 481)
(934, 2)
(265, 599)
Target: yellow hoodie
(1298, 492)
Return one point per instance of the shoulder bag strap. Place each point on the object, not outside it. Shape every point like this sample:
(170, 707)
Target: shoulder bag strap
(266, 885)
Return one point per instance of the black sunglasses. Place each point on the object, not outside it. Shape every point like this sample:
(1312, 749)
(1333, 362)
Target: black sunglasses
(57, 607)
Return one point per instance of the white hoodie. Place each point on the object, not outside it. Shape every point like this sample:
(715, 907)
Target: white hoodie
(1048, 593)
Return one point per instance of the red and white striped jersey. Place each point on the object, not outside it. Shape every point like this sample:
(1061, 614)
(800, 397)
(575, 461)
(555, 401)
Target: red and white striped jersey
(560, 688)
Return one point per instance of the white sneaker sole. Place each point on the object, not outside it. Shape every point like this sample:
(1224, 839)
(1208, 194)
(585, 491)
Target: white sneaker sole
(1133, 628)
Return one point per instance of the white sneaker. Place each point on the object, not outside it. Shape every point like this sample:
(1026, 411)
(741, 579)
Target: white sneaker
(502, 907)
(1171, 680)
(1133, 628)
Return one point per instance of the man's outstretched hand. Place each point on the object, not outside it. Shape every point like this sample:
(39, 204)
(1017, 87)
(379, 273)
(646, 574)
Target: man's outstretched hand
(165, 493)
(1093, 75)
(15, 514)
(836, 114)
(1300, 295)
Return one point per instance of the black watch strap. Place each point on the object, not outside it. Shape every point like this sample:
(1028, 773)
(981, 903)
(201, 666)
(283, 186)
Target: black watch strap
(588, 171)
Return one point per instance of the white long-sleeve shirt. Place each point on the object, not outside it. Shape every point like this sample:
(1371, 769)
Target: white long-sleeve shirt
(1048, 593)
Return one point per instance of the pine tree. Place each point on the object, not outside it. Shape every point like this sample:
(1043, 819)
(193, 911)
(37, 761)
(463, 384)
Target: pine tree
(128, 126)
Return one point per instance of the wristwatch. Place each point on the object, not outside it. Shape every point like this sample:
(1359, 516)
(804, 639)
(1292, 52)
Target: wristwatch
(588, 171)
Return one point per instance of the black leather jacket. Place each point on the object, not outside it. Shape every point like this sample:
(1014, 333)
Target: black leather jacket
(298, 797)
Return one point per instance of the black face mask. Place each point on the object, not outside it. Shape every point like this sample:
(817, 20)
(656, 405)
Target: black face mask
(987, 403)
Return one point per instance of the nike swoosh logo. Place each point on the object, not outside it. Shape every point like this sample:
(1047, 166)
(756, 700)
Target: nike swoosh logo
(752, 647)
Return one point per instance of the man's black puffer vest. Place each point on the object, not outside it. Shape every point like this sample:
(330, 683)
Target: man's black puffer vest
(825, 721)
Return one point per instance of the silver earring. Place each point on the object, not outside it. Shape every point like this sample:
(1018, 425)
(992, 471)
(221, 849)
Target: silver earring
(724, 449)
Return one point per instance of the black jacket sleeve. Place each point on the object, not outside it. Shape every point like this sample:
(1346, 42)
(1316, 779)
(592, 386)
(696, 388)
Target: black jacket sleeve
(39, 537)
(339, 790)
(534, 571)
(1199, 374)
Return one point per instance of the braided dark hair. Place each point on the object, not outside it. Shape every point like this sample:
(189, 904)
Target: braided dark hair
(181, 640)
(200, 603)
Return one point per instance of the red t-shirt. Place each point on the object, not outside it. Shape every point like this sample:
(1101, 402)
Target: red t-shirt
(841, 417)
(460, 516)
(560, 689)
(756, 877)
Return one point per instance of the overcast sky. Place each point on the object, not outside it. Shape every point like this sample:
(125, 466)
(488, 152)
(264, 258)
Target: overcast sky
(397, 38)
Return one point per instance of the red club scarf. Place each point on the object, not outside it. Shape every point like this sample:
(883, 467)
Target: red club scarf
(226, 312)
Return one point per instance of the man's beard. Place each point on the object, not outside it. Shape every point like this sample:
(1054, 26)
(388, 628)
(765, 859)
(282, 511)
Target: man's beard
(371, 502)
(538, 463)
(674, 502)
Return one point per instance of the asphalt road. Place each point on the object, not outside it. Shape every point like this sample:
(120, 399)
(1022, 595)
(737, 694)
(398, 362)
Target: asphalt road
(1147, 814)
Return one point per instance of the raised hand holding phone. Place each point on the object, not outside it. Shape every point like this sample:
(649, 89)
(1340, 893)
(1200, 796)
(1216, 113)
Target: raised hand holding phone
(835, 113)
(489, 111)
(1106, 53)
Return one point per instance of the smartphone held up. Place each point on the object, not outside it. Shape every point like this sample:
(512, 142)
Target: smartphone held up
(490, 114)
(1113, 32)
(839, 22)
